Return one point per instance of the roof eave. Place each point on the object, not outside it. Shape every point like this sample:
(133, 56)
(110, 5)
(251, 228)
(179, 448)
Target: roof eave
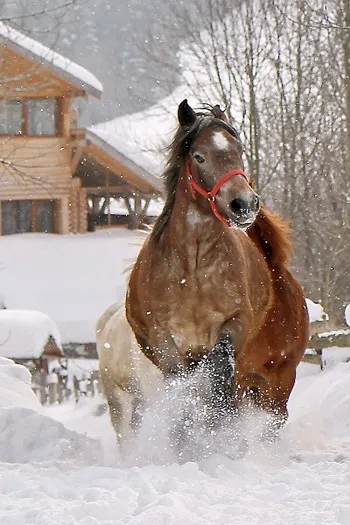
(152, 180)
(70, 79)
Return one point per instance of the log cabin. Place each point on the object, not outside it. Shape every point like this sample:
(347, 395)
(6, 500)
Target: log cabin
(50, 171)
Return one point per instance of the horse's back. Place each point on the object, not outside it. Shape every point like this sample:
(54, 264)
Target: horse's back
(122, 363)
(105, 317)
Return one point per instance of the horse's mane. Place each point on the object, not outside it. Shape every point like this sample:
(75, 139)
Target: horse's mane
(177, 151)
(272, 236)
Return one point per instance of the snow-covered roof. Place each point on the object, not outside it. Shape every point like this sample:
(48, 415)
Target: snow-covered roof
(143, 137)
(137, 162)
(24, 333)
(62, 66)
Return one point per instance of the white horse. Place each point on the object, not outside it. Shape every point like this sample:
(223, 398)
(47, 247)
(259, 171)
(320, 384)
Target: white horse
(130, 380)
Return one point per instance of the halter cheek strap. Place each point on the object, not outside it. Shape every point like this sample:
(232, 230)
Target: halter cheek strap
(211, 195)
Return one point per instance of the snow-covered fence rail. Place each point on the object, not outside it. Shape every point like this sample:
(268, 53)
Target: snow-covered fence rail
(318, 342)
(339, 338)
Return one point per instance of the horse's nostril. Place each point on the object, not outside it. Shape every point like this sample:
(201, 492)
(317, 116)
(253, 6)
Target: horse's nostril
(246, 204)
(239, 205)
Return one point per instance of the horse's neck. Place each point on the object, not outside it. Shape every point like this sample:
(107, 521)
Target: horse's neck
(192, 230)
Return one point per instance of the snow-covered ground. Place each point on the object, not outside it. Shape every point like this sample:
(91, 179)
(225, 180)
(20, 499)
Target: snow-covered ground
(70, 278)
(59, 465)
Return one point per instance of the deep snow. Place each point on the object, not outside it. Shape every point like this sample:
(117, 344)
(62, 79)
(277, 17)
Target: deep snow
(304, 478)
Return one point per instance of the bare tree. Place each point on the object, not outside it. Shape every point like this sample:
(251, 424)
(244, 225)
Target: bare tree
(264, 61)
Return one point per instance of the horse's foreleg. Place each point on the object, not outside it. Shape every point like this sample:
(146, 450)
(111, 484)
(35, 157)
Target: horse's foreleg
(137, 411)
(223, 404)
(120, 408)
(219, 366)
(115, 408)
(222, 359)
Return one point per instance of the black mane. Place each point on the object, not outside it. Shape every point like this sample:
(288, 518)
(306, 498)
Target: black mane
(178, 150)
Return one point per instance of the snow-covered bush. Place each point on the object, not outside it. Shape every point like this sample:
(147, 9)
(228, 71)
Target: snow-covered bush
(347, 315)
(316, 312)
(26, 433)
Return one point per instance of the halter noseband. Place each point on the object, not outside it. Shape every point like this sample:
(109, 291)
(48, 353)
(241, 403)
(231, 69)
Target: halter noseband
(211, 195)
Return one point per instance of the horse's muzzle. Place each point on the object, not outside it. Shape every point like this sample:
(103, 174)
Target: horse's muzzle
(243, 209)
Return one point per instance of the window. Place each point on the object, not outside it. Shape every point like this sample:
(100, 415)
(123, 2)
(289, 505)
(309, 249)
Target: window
(45, 216)
(10, 117)
(41, 113)
(27, 216)
(16, 216)
(34, 117)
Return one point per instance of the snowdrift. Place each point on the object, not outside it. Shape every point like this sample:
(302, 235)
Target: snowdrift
(302, 478)
(26, 433)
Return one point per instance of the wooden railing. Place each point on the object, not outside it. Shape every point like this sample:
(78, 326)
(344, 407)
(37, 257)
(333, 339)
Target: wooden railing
(337, 338)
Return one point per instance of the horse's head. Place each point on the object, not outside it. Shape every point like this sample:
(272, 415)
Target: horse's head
(214, 166)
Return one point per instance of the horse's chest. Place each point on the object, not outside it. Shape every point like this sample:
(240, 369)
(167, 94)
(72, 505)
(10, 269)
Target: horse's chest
(194, 329)
(202, 290)
(192, 312)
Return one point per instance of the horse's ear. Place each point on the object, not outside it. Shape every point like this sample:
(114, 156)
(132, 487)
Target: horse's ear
(220, 114)
(185, 114)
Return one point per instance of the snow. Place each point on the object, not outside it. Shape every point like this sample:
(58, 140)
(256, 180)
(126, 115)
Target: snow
(130, 157)
(316, 311)
(72, 278)
(71, 70)
(334, 355)
(347, 315)
(24, 333)
(15, 386)
(27, 434)
(117, 207)
(334, 333)
(143, 136)
(302, 478)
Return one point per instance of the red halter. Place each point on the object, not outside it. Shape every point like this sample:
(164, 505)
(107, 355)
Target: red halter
(211, 195)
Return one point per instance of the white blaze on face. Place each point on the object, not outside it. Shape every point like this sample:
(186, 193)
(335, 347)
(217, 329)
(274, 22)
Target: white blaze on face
(220, 140)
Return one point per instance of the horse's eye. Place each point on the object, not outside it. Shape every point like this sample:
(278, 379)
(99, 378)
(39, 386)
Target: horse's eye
(199, 158)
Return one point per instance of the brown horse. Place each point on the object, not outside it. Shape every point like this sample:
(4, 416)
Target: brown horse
(213, 272)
